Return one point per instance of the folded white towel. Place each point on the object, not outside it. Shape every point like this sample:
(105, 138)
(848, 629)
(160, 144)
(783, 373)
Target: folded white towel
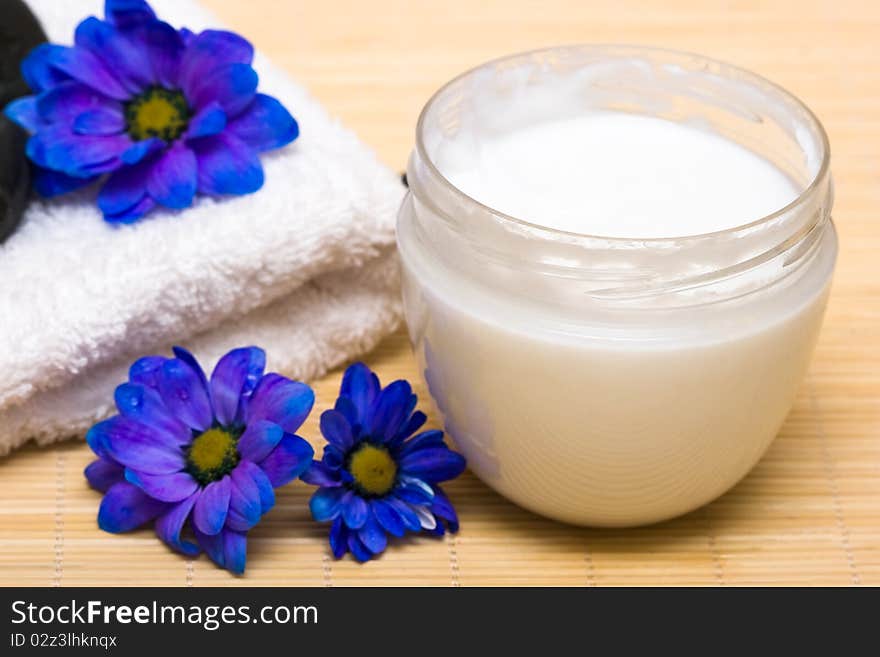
(305, 267)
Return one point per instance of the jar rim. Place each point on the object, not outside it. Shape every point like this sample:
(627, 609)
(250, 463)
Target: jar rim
(805, 193)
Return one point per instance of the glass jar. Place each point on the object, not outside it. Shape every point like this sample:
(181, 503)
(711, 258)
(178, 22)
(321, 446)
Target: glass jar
(609, 381)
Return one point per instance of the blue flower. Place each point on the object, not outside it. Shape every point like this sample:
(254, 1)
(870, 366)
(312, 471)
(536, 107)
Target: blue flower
(375, 477)
(157, 114)
(192, 453)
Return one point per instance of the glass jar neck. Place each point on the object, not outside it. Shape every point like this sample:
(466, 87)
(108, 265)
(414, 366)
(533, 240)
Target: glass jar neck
(486, 244)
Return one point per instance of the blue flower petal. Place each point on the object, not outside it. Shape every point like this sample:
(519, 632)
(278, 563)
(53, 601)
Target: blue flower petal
(173, 177)
(390, 409)
(259, 439)
(208, 121)
(66, 101)
(227, 165)
(213, 545)
(433, 464)
(143, 404)
(99, 121)
(336, 429)
(282, 401)
(187, 35)
(126, 507)
(234, 551)
(326, 503)
(38, 72)
(127, 59)
(430, 438)
(96, 439)
(442, 507)
(146, 370)
(170, 524)
(104, 473)
(135, 445)
(23, 112)
(132, 214)
(81, 64)
(186, 356)
(55, 147)
(427, 519)
(355, 510)
(361, 386)
(338, 538)
(50, 183)
(237, 521)
(232, 86)
(372, 535)
(139, 150)
(209, 513)
(265, 124)
(358, 549)
(288, 460)
(412, 425)
(164, 46)
(267, 493)
(405, 511)
(414, 491)
(128, 13)
(165, 487)
(333, 456)
(348, 409)
(185, 394)
(209, 50)
(319, 474)
(388, 516)
(235, 376)
(244, 503)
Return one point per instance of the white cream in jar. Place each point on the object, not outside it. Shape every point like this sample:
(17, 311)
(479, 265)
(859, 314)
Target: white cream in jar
(616, 262)
(617, 175)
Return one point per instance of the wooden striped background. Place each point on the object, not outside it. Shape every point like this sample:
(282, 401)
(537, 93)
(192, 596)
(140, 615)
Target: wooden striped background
(808, 514)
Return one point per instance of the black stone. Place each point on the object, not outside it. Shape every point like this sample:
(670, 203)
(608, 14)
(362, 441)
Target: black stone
(14, 175)
(19, 33)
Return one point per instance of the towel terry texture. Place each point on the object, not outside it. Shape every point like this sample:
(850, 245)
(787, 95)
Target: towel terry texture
(305, 268)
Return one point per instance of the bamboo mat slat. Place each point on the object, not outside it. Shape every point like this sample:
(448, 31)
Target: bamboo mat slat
(810, 511)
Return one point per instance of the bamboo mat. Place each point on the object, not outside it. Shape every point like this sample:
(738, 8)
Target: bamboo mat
(810, 511)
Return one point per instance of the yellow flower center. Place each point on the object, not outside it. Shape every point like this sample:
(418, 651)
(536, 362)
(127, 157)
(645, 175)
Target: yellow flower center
(373, 469)
(212, 455)
(157, 112)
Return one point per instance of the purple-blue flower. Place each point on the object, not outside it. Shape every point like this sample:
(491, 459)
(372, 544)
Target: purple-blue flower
(198, 455)
(376, 478)
(154, 113)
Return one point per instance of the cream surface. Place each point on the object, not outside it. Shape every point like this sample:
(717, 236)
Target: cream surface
(617, 175)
